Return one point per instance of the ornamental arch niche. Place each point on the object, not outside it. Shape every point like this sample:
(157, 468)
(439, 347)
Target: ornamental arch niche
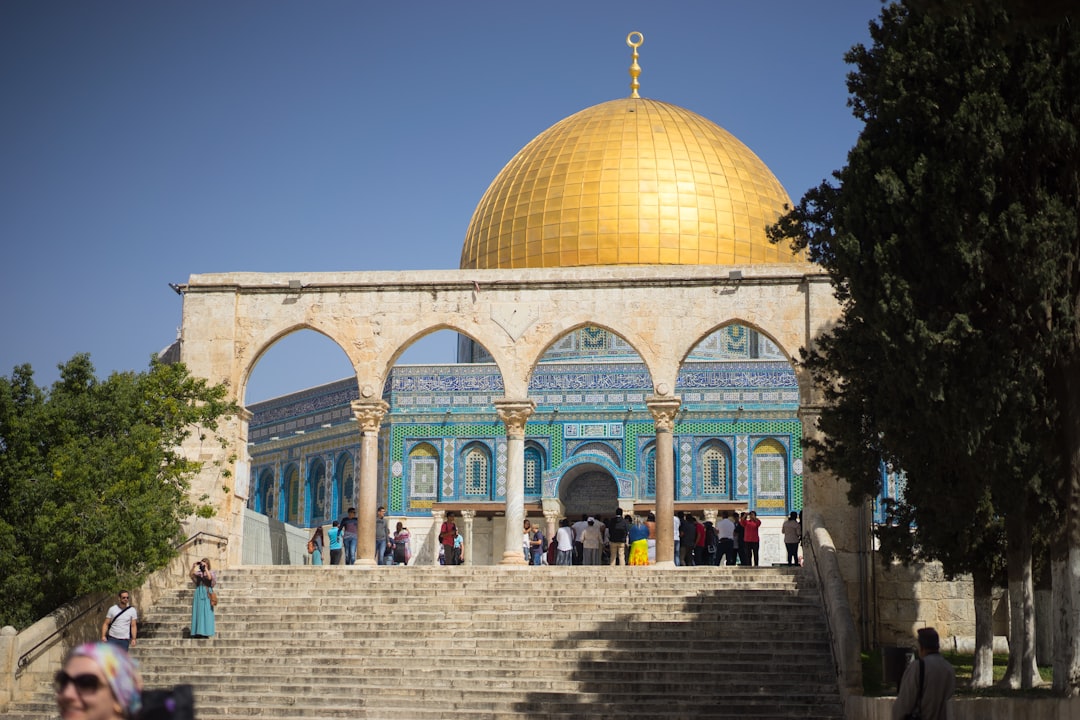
(588, 488)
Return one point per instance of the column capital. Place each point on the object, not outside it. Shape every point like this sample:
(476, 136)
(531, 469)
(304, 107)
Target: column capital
(369, 413)
(467, 515)
(515, 413)
(663, 409)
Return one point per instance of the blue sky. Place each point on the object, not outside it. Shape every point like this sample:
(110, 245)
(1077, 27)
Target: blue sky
(141, 142)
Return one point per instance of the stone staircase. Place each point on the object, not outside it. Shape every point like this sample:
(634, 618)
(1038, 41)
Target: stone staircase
(492, 642)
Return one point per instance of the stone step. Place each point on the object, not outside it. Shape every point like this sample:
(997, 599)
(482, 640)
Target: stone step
(765, 668)
(774, 623)
(496, 643)
(285, 644)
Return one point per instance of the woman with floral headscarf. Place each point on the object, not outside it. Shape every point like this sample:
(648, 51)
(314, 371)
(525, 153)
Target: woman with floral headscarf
(98, 682)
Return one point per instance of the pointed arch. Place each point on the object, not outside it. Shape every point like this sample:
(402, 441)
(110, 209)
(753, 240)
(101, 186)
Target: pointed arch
(714, 466)
(345, 489)
(590, 337)
(315, 494)
(478, 471)
(737, 339)
(291, 491)
(535, 464)
(266, 346)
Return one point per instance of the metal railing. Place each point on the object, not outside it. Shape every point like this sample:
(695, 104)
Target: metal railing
(27, 657)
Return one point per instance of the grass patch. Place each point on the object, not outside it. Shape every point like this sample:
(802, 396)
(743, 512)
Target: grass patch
(875, 685)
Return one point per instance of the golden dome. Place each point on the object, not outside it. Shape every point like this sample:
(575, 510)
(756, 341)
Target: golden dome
(629, 182)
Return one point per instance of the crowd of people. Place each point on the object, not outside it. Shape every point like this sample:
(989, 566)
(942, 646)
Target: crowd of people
(623, 539)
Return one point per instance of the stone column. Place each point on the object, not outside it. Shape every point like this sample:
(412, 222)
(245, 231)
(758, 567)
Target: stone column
(369, 413)
(663, 409)
(710, 516)
(467, 517)
(437, 518)
(551, 523)
(514, 413)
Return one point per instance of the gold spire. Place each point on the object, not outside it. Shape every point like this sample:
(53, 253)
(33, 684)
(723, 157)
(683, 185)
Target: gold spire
(635, 69)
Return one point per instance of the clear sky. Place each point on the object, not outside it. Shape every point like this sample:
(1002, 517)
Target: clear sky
(141, 142)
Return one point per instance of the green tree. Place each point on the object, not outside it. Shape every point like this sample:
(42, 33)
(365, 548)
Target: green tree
(952, 239)
(93, 486)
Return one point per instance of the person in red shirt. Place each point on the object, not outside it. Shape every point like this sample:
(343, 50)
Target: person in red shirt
(446, 538)
(751, 538)
(699, 543)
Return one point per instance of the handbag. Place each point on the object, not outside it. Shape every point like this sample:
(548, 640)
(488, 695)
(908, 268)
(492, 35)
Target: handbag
(213, 598)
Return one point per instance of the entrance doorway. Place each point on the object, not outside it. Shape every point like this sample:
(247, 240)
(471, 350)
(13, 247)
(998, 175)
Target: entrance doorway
(588, 490)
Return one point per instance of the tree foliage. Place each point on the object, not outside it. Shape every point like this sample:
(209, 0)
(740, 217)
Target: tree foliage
(93, 486)
(951, 237)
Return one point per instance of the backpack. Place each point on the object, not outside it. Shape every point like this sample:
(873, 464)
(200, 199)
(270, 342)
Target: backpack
(617, 530)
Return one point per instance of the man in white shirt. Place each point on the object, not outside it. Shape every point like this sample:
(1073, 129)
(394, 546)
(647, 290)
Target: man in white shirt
(564, 539)
(725, 533)
(121, 623)
(579, 531)
(678, 522)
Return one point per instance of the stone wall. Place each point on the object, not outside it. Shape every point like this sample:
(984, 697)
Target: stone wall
(867, 708)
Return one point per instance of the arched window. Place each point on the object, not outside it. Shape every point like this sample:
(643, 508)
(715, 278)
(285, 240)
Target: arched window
(269, 504)
(317, 491)
(423, 471)
(344, 485)
(292, 495)
(534, 470)
(715, 469)
(770, 469)
(477, 461)
(264, 491)
(650, 472)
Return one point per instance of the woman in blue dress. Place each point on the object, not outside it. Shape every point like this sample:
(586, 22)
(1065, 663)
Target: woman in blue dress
(202, 612)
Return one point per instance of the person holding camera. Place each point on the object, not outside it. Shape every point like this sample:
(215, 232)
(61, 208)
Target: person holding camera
(203, 600)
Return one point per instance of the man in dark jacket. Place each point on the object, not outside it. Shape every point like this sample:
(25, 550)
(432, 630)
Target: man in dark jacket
(928, 682)
(617, 530)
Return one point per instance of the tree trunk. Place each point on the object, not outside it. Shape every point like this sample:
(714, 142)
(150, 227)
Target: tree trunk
(1066, 552)
(1022, 670)
(982, 671)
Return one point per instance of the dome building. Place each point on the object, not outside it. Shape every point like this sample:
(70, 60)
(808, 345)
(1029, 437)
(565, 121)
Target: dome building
(628, 182)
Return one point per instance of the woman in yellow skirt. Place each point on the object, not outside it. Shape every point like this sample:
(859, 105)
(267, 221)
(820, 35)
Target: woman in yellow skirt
(639, 543)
